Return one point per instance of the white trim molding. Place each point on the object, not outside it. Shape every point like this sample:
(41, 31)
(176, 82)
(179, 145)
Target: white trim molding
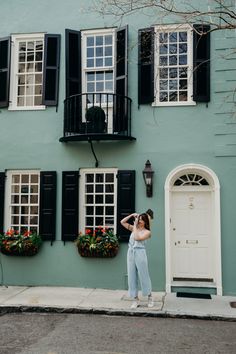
(215, 189)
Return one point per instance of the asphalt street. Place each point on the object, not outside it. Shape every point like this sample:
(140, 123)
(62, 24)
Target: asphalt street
(32, 333)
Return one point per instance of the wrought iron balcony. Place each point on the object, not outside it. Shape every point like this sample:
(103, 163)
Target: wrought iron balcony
(97, 116)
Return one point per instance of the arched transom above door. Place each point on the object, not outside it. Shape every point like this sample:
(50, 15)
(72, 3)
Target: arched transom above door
(191, 179)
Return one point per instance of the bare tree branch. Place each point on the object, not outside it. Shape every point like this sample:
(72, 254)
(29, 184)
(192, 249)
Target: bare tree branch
(221, 14)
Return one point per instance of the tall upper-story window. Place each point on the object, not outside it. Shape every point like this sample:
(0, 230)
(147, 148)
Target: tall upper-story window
(27, 71)
(174, 65)
(98, 63)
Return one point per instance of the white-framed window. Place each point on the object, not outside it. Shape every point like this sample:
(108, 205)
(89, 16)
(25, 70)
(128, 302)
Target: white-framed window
(98, 53)
(173, 65)
(27, 72)
(98, 198)
(22, 200)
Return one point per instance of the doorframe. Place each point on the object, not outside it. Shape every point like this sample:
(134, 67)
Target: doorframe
(215, 188)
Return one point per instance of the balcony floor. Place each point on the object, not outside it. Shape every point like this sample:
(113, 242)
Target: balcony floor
(95, 137)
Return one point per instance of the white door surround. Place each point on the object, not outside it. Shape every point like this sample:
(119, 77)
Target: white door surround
(211, 186)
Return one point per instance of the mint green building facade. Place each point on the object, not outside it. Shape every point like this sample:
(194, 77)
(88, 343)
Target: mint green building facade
(183, 122)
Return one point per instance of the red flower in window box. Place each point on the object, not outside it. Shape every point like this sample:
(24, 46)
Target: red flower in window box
(99, 242)
(13, 243)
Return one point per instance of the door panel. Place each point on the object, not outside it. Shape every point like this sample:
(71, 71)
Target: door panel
(191, 234)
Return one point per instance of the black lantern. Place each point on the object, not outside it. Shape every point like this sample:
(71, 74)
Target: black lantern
(148, 178)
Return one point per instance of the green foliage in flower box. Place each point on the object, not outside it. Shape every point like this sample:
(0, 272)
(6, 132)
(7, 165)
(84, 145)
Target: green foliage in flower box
(101, 242)
(13, 243)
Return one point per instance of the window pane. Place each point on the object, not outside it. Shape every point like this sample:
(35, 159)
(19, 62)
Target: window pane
(99, 210)
(109, 199)
(108, 39)
(172, 60)
(99, 40)
(173, 72)
(90, 52)
(99, 221)
(90, 87)
(173, 96)
(89, 199)
(89, 188)
(99, 177)
(163, 49)
(89, 221)
(183, 36)
(163, 73)
(99, 51)
(108, 51)
(99, 62)
(89, 178)
(109, 210)
(173, 37)
(182, 59)
(99, 188)
(183, 95)
(163, 96)
(89, 210)
(99, 199)
(163, 61)
(173, 84)
(173, 48)
(90, 41)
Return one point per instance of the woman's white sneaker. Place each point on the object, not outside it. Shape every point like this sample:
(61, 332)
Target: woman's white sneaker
(134, 305)
(150, 302)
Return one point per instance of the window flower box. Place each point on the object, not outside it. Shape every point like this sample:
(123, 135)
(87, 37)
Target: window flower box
(97, 243)
(13, 243)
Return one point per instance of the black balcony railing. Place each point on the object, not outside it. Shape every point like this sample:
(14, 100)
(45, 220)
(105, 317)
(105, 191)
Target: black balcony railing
(97, 116)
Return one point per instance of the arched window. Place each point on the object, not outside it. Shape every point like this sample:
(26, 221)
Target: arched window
(191, 179)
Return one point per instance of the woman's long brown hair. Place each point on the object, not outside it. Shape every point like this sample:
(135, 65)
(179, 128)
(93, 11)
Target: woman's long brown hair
(145, 218)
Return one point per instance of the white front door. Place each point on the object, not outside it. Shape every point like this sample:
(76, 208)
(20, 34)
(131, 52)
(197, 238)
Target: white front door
(191, 235)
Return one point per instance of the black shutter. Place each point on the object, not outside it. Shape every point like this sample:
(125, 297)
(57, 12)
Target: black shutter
(70, 205)
(5, 50)
(121, 89)
(201, 63)
(73, 62)
(126, 200)
(2, 194)
(47, 213)
(122, 61)
(146, 65)
(51, 69)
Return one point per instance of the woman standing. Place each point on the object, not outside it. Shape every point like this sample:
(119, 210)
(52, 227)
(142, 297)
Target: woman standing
(137, 263)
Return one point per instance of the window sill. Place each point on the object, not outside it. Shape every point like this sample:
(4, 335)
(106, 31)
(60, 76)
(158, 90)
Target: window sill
(174, 104)
(36, 108)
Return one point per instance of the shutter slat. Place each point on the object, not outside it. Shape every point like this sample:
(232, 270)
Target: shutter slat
(73, 62)
(70, 205)
(201, 63)
(51, 69)
(5, 51)
(126, 200)
(146, 65)
(2, 195)
(47, 214)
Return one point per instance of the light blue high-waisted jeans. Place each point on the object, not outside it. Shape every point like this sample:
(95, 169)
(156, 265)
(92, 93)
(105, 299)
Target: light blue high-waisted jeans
(137, 266)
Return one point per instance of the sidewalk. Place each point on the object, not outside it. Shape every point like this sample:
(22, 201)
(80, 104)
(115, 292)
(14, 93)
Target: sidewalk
(111, 302)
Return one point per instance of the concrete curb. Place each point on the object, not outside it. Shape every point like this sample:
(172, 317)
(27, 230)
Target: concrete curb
(109, 312)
